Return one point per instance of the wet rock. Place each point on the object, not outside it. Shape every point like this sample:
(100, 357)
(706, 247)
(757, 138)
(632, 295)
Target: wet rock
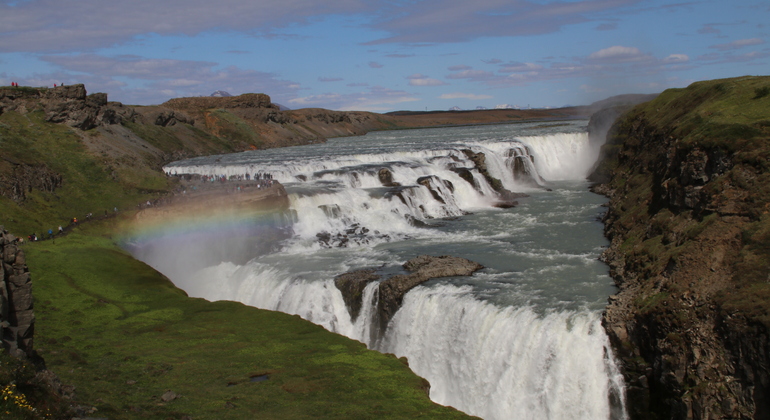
(352, 285)
(423, 268)
(392, 290)
(386, 178)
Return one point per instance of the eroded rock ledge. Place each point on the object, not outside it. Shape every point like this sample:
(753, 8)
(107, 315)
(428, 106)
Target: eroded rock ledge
(392, 290)
(689, 251)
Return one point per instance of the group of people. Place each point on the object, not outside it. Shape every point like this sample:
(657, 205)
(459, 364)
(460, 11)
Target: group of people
(258, 176)
(73, 222)
(14, 84)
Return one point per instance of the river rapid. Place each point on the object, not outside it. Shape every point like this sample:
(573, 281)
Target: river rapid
(520, 339)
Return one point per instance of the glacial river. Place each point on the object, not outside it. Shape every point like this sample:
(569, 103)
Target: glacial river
(520, 339)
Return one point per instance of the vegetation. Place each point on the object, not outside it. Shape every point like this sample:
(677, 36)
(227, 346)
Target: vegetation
(126, 340)
(135, 346)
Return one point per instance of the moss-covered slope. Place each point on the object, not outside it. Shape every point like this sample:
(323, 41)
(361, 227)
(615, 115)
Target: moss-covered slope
(118, 333)
(688, 178)
(125, 336)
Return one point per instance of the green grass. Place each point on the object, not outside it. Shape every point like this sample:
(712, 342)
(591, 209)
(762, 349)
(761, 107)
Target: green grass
(87, 185)
(124, 335)
(233, 128)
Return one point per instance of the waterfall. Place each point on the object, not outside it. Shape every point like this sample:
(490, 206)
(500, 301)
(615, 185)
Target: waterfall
(523, 339)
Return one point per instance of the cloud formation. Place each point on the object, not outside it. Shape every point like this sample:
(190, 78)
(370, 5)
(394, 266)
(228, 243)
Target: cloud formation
(377, 98)
(161, 79)
(738, 44)
(422, 80)
(441, 21)
(66, 25)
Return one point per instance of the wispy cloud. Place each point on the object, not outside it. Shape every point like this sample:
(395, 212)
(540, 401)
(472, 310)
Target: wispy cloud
(377, 98)
(607, 26)
(330, 79)
(423, 80)
(442, 21)
(65, 25)
(161, 79)
(738, 44)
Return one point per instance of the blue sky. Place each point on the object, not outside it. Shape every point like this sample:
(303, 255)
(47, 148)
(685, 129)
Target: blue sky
(376, 55)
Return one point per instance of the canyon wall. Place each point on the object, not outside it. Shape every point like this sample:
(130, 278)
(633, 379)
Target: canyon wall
(689, 185)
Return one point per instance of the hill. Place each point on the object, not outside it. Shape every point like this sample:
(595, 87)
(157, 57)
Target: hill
(689, 181)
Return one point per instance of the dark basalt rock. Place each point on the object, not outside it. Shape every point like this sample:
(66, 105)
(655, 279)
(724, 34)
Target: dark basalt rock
(423, 268)
(391, 291)
(352, 285)
(17, 319)
(386, 178)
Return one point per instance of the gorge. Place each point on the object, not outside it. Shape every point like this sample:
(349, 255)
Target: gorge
(685, 174)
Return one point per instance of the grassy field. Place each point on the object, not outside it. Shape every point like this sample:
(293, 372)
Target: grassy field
(125, 336)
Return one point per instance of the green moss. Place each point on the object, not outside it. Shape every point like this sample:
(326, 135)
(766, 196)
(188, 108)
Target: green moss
(124, 340)
(88, 185)
(234, 128)
(652, 302)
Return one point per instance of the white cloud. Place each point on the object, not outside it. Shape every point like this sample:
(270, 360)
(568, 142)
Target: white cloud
(476, 75)
(442, 21)
(422, 80)
(618, 53)
(377, 98)
(78, 25)
(520, 67)
(676, 58)
(156, 80)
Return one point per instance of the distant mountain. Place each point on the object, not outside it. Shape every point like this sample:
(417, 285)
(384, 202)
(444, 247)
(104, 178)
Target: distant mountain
(481, 107)
(455, 108)
(220, 94)
(504, 106)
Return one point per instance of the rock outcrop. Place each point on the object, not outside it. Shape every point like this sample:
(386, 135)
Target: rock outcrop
(507, 197)
(17, 318)
(688, 181)
(18, 179)
(392, 290)
(66, 104)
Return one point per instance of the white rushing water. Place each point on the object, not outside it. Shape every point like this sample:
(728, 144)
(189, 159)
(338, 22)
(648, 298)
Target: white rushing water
(521, 339)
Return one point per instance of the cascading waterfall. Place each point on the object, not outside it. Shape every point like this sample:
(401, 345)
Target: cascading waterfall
(521, 339)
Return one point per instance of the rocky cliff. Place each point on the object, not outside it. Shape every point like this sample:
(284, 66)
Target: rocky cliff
(17, 319)
(689, 185)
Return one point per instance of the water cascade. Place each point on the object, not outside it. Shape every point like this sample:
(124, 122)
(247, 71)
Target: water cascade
(520, 339)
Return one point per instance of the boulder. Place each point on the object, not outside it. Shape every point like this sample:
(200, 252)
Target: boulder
(391, 291)
(386, 178)
(352, 285)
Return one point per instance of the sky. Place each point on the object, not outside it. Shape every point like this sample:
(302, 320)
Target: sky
(382, 55)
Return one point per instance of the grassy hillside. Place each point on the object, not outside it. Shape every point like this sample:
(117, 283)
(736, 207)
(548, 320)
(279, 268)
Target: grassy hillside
(123, 336)
(89, 183)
